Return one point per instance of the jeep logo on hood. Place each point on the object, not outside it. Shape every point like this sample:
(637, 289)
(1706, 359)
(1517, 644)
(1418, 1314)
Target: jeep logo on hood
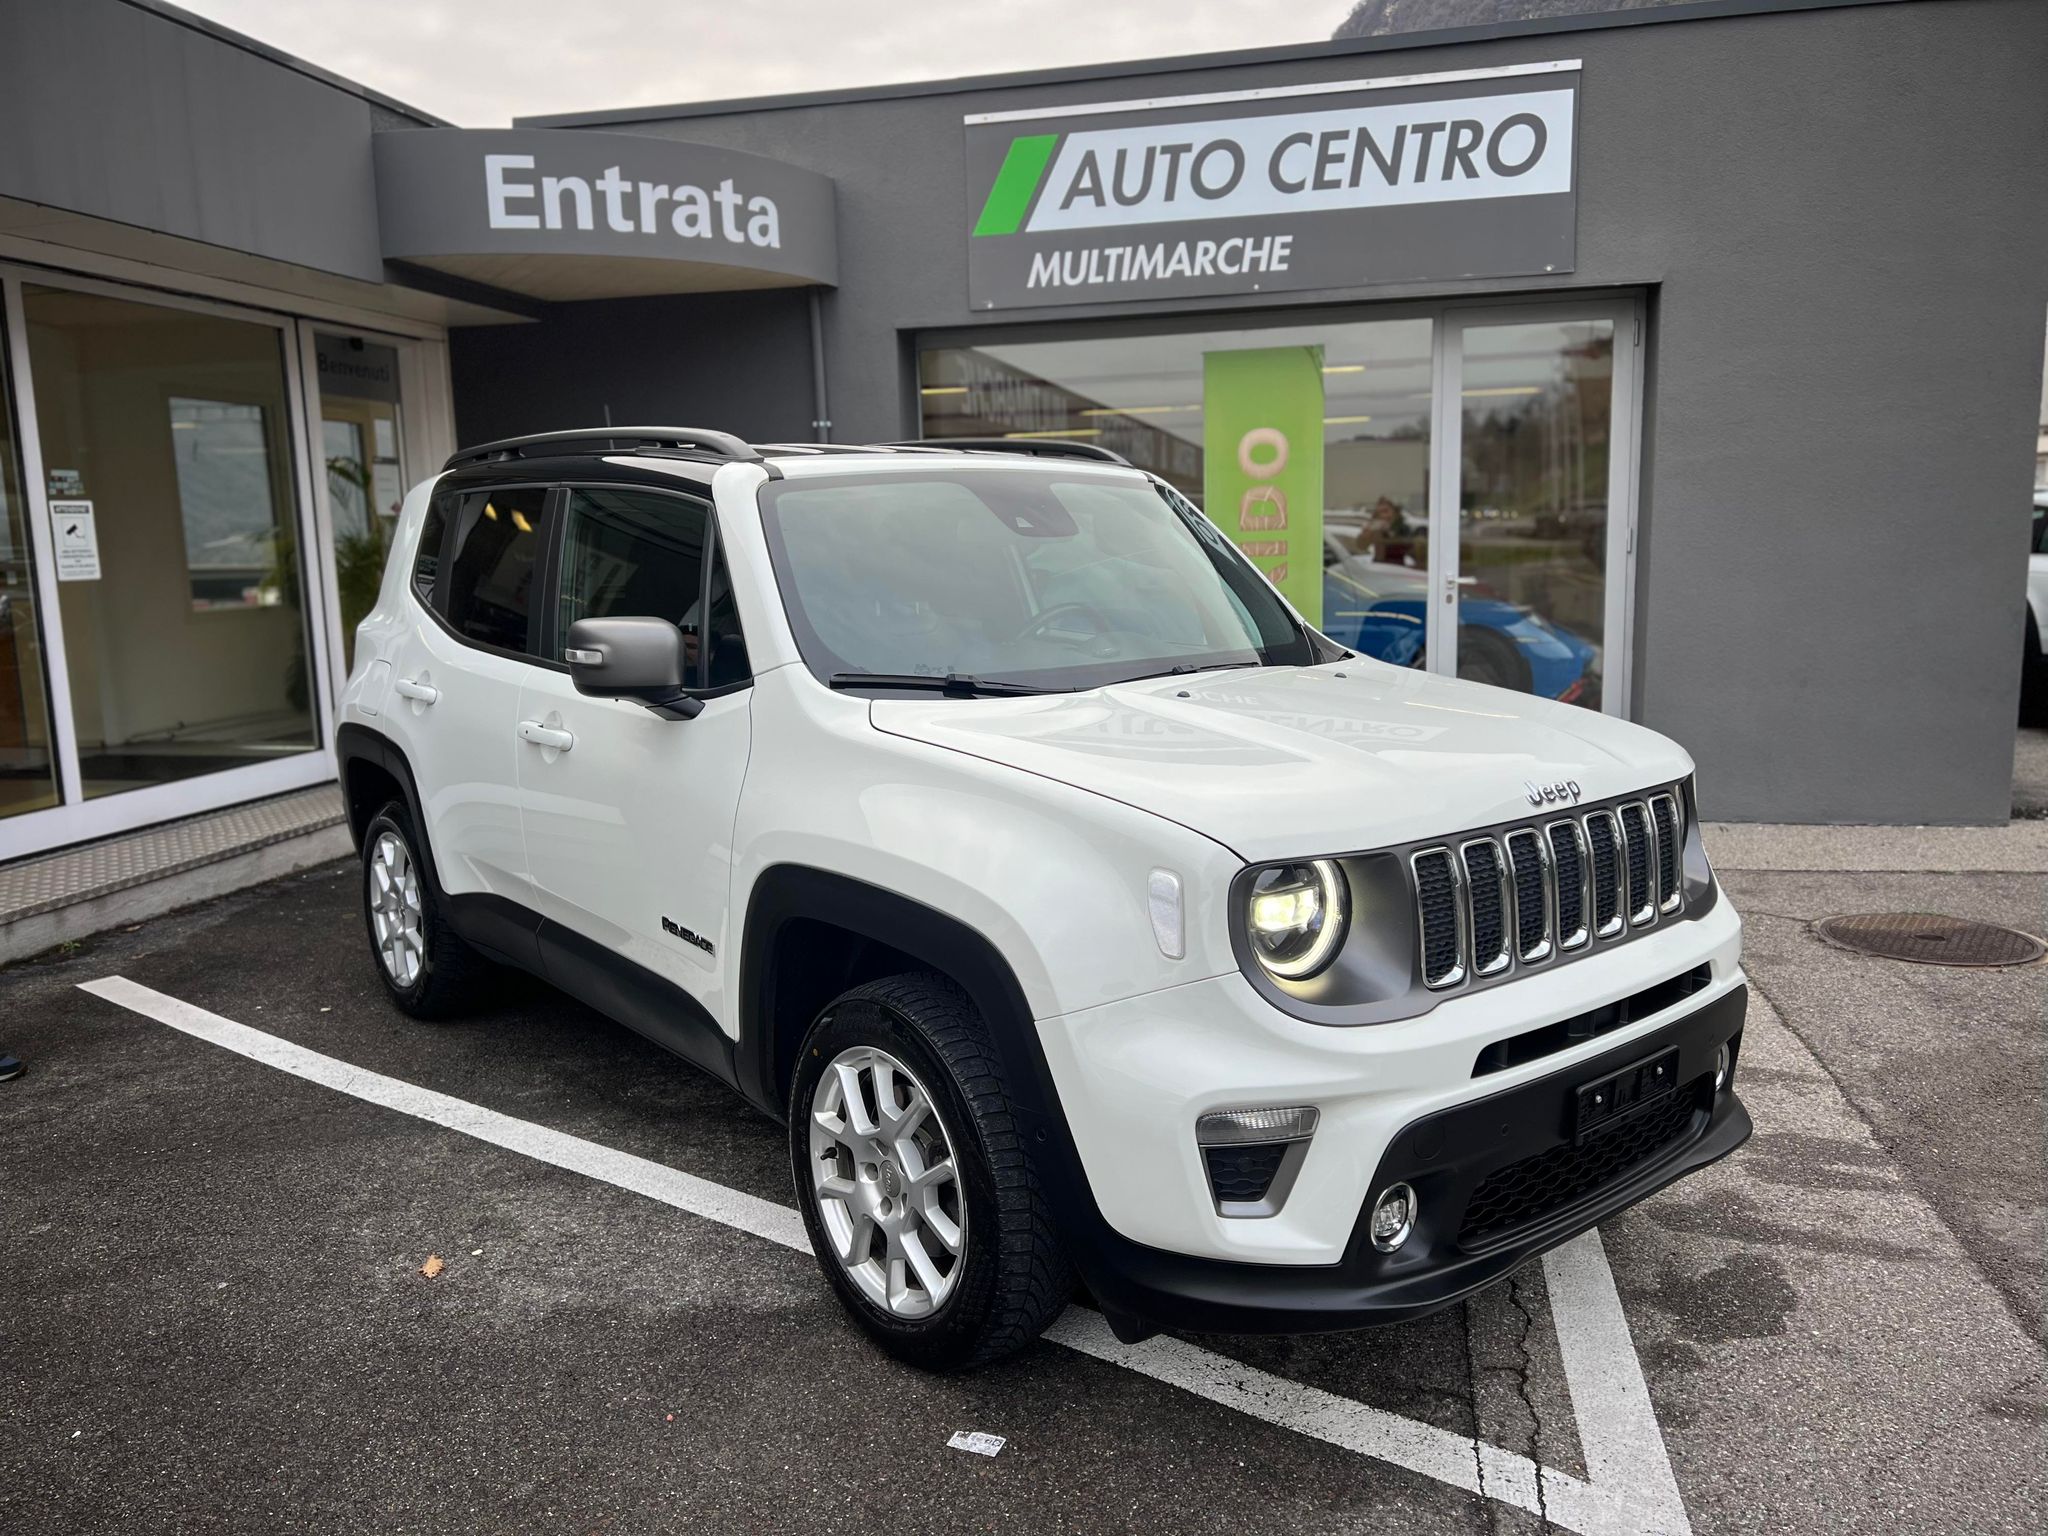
(1563, 792)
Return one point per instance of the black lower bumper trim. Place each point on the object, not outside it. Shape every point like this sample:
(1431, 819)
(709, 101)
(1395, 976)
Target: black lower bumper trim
(1445, 1157)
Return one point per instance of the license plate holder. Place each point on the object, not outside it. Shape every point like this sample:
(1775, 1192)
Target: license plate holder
(1608, 1101)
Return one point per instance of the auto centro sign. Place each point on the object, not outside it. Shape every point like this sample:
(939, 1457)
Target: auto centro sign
(1340, 185)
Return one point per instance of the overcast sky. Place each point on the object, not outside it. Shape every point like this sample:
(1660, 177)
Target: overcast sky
(481, 63)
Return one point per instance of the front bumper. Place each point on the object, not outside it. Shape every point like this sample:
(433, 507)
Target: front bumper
(1446, 1157)
(1125, 1084)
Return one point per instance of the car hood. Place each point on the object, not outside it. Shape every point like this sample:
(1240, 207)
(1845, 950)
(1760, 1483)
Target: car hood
(1288, 762)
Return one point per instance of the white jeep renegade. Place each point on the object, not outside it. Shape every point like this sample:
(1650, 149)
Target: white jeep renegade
(986, 818)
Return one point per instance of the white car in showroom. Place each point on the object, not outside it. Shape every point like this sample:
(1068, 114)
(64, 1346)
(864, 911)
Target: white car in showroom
(981, 814)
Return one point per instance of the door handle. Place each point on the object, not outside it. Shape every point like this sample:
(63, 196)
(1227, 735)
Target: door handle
(544, 736)
(424, 693)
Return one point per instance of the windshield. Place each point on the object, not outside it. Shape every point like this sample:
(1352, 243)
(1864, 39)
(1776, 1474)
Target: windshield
(1038, 577)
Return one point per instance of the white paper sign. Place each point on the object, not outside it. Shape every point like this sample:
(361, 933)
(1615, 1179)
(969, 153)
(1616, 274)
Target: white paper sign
(387, 493)
(78, 541)
(974, 1440)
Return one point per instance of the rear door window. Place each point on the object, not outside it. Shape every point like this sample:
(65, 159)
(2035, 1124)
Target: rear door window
(494, 564)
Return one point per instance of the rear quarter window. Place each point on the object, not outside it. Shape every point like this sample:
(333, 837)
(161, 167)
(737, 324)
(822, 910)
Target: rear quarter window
(426, 560)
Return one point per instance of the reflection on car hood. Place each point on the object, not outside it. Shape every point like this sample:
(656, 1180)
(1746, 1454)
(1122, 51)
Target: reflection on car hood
(1297, 761)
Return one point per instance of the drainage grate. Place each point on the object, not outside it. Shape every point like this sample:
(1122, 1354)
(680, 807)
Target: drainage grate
(1929, 938)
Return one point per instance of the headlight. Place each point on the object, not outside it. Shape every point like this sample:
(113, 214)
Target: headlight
(1295, 916)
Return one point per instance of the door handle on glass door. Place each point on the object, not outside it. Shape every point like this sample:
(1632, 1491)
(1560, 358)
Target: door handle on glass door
(423, 693)
(545, 736)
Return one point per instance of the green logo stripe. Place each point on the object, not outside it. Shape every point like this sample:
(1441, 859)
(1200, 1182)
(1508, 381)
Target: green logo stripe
(1010, 198)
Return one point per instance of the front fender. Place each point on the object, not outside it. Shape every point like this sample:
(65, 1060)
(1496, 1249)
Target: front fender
(1054, 877)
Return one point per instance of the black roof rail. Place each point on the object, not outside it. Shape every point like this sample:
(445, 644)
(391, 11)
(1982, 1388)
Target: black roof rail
(1031, 447)
(817, 448)
(692, 440)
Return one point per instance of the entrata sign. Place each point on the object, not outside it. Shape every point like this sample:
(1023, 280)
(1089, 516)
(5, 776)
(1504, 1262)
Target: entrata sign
(460, 197)
(1325, 186)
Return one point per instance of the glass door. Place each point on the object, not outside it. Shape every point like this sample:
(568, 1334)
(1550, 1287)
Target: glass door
(1533, 512)
(362, 476)
(28, 759)
(163, 644)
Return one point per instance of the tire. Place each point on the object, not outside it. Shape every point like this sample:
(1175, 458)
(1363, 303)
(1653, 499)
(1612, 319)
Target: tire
(435, 974)
(1010, 1276)
(1485, 657)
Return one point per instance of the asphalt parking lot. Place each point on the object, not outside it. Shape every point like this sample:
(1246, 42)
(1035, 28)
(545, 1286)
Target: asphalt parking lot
(223, 1175)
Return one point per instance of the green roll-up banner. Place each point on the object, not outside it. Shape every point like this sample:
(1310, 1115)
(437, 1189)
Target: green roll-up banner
(1262, 463)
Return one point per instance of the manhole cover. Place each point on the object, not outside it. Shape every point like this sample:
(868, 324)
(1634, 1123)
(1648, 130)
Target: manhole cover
(1930, 939)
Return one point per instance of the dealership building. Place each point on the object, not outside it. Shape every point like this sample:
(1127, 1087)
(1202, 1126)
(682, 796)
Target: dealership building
(1677, 363)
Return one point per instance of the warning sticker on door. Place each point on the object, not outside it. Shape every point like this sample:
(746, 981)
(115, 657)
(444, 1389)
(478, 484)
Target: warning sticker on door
(77, 540)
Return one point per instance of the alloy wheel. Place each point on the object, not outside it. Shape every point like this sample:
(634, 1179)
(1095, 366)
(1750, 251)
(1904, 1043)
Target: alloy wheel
(395, 915)
(887, 1182)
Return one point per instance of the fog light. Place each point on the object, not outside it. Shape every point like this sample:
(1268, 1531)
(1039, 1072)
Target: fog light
(1393, 1217)
(1722, 1061)
(1235, 1127)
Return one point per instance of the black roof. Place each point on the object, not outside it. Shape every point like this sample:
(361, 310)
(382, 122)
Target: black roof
(521, 458)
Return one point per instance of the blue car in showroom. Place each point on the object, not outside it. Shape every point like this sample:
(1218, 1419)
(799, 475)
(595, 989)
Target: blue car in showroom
(1379, 610)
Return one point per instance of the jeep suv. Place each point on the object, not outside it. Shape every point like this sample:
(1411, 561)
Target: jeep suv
(987, 819)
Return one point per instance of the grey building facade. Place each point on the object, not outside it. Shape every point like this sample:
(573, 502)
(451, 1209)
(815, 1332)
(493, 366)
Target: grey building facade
(1677, 362)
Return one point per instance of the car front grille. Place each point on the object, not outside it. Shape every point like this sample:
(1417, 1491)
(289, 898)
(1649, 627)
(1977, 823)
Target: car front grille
(1526, 1192)
(1525, 895)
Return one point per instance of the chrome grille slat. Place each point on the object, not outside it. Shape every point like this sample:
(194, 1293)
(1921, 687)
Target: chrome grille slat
(1440, 912)
(1535, 894)
(1640, 853)
(1667, 817)
(1574, 896)
(1603, 842)
(1486, 894)
(1538, 892)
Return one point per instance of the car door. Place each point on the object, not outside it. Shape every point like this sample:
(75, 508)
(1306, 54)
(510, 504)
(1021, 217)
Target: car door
(454, 701)
(629, 816)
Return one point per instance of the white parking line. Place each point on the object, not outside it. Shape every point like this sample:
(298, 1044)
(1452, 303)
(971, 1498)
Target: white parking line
(1631, 1487)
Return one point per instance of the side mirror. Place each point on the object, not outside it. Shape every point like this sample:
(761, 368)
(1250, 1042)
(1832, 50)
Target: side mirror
(643, 659)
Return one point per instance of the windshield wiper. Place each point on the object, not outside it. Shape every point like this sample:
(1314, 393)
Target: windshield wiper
(954, 684)
(1187, 667)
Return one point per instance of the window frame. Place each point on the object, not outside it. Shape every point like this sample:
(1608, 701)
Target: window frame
(714, 552)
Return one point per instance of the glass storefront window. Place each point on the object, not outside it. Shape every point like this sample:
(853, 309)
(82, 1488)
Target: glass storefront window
(186, 644)
(1308, 444)
(28, 769)
(1311, 447)
(224, 497)
(1532, 505)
